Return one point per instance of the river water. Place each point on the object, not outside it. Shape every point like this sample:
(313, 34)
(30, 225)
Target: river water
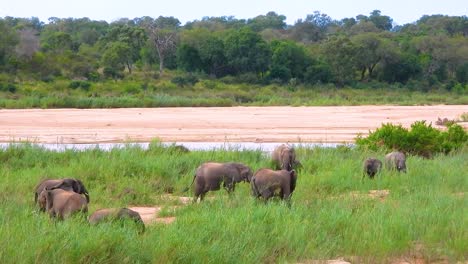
(189, 145)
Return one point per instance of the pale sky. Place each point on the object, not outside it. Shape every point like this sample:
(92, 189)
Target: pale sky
(402, 11)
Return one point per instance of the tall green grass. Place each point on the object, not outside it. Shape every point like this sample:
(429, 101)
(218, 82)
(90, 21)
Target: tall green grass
(426, 209)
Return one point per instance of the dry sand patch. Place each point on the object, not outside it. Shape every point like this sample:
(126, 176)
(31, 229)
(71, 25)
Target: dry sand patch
(334, 124)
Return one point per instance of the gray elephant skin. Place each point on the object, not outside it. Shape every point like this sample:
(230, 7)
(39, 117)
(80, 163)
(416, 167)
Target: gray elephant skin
(284, 157)
(372, 166)
(62, 204)
(396, 161)
(115, 214)
(210, 175)
(67, 184)
(267, 183)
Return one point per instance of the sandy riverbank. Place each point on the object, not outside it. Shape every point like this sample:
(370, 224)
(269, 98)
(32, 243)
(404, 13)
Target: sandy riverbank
(214, 124)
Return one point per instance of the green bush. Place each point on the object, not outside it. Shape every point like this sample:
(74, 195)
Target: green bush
(422, 139)
(80, 84)
(182, 81)
(9, 87)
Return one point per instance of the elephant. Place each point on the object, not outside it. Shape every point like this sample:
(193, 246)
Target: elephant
(372, 166)
(266, 183)
(61, 203)
(113, 214)
(67, 184)
(284, 157)
(209, 175)
(396, 160)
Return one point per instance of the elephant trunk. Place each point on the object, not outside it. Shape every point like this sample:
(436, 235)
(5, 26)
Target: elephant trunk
(87, 196)
(286, 163)
(193, 180)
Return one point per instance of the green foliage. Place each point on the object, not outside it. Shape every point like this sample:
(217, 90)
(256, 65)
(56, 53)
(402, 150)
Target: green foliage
(182, 81)
(8, 87)
(333, 213)
(421, 139)
(80, 84)
(246, 51)
(464, 117)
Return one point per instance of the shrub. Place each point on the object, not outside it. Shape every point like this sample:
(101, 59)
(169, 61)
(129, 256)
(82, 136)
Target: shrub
(464, 117)
(80, 84)
(454, 138)
(9, 87)
(182, 81)
(422, 139)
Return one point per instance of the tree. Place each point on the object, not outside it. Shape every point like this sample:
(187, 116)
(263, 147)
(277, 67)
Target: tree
(312, 29)
(8, 41)
(116, 56)
(162, 34)
(400, 69)
(369, 52)
(164, 41)
(340, 55)
(133, 36)
(270, 20)
(28, 43)
(288, 60)
(188, 58)
(381, 22)
(246, 51)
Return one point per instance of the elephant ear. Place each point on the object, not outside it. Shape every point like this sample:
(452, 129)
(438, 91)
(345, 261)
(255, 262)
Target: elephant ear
(293, 176)
(80, 188)
(245, 172)
(65, 184)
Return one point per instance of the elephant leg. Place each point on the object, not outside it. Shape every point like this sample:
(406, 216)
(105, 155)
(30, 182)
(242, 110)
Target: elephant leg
(198, 193)
(230, 188)
(266, 194)
(202, 196)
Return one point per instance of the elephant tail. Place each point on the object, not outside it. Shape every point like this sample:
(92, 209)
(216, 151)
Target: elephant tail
(186, 189)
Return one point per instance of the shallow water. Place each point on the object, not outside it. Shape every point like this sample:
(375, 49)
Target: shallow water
(188, 145)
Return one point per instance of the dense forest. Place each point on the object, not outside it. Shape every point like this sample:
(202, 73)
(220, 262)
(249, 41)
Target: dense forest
(431, 52)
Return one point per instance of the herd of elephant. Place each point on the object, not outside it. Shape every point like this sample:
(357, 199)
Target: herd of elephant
(64, 197)
(393, 161)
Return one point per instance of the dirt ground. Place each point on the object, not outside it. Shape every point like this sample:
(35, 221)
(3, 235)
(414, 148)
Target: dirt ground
(215, 124)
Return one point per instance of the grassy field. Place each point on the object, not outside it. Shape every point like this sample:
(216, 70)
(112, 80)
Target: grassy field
(424, 215)
(164, 93)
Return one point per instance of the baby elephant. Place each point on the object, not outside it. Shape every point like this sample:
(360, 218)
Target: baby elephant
(67, 184)
(62, 204)
(266, 183)
(395, 160)
(284, 157)
(372, 166)
(114, 214)
(209, 176)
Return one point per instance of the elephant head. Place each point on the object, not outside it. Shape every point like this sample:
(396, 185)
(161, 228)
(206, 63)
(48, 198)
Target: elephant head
(266, 183)
(372, 166)
(401, 165)
(245, 173)
(285, 157)
(72, 185)
(396, 160)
